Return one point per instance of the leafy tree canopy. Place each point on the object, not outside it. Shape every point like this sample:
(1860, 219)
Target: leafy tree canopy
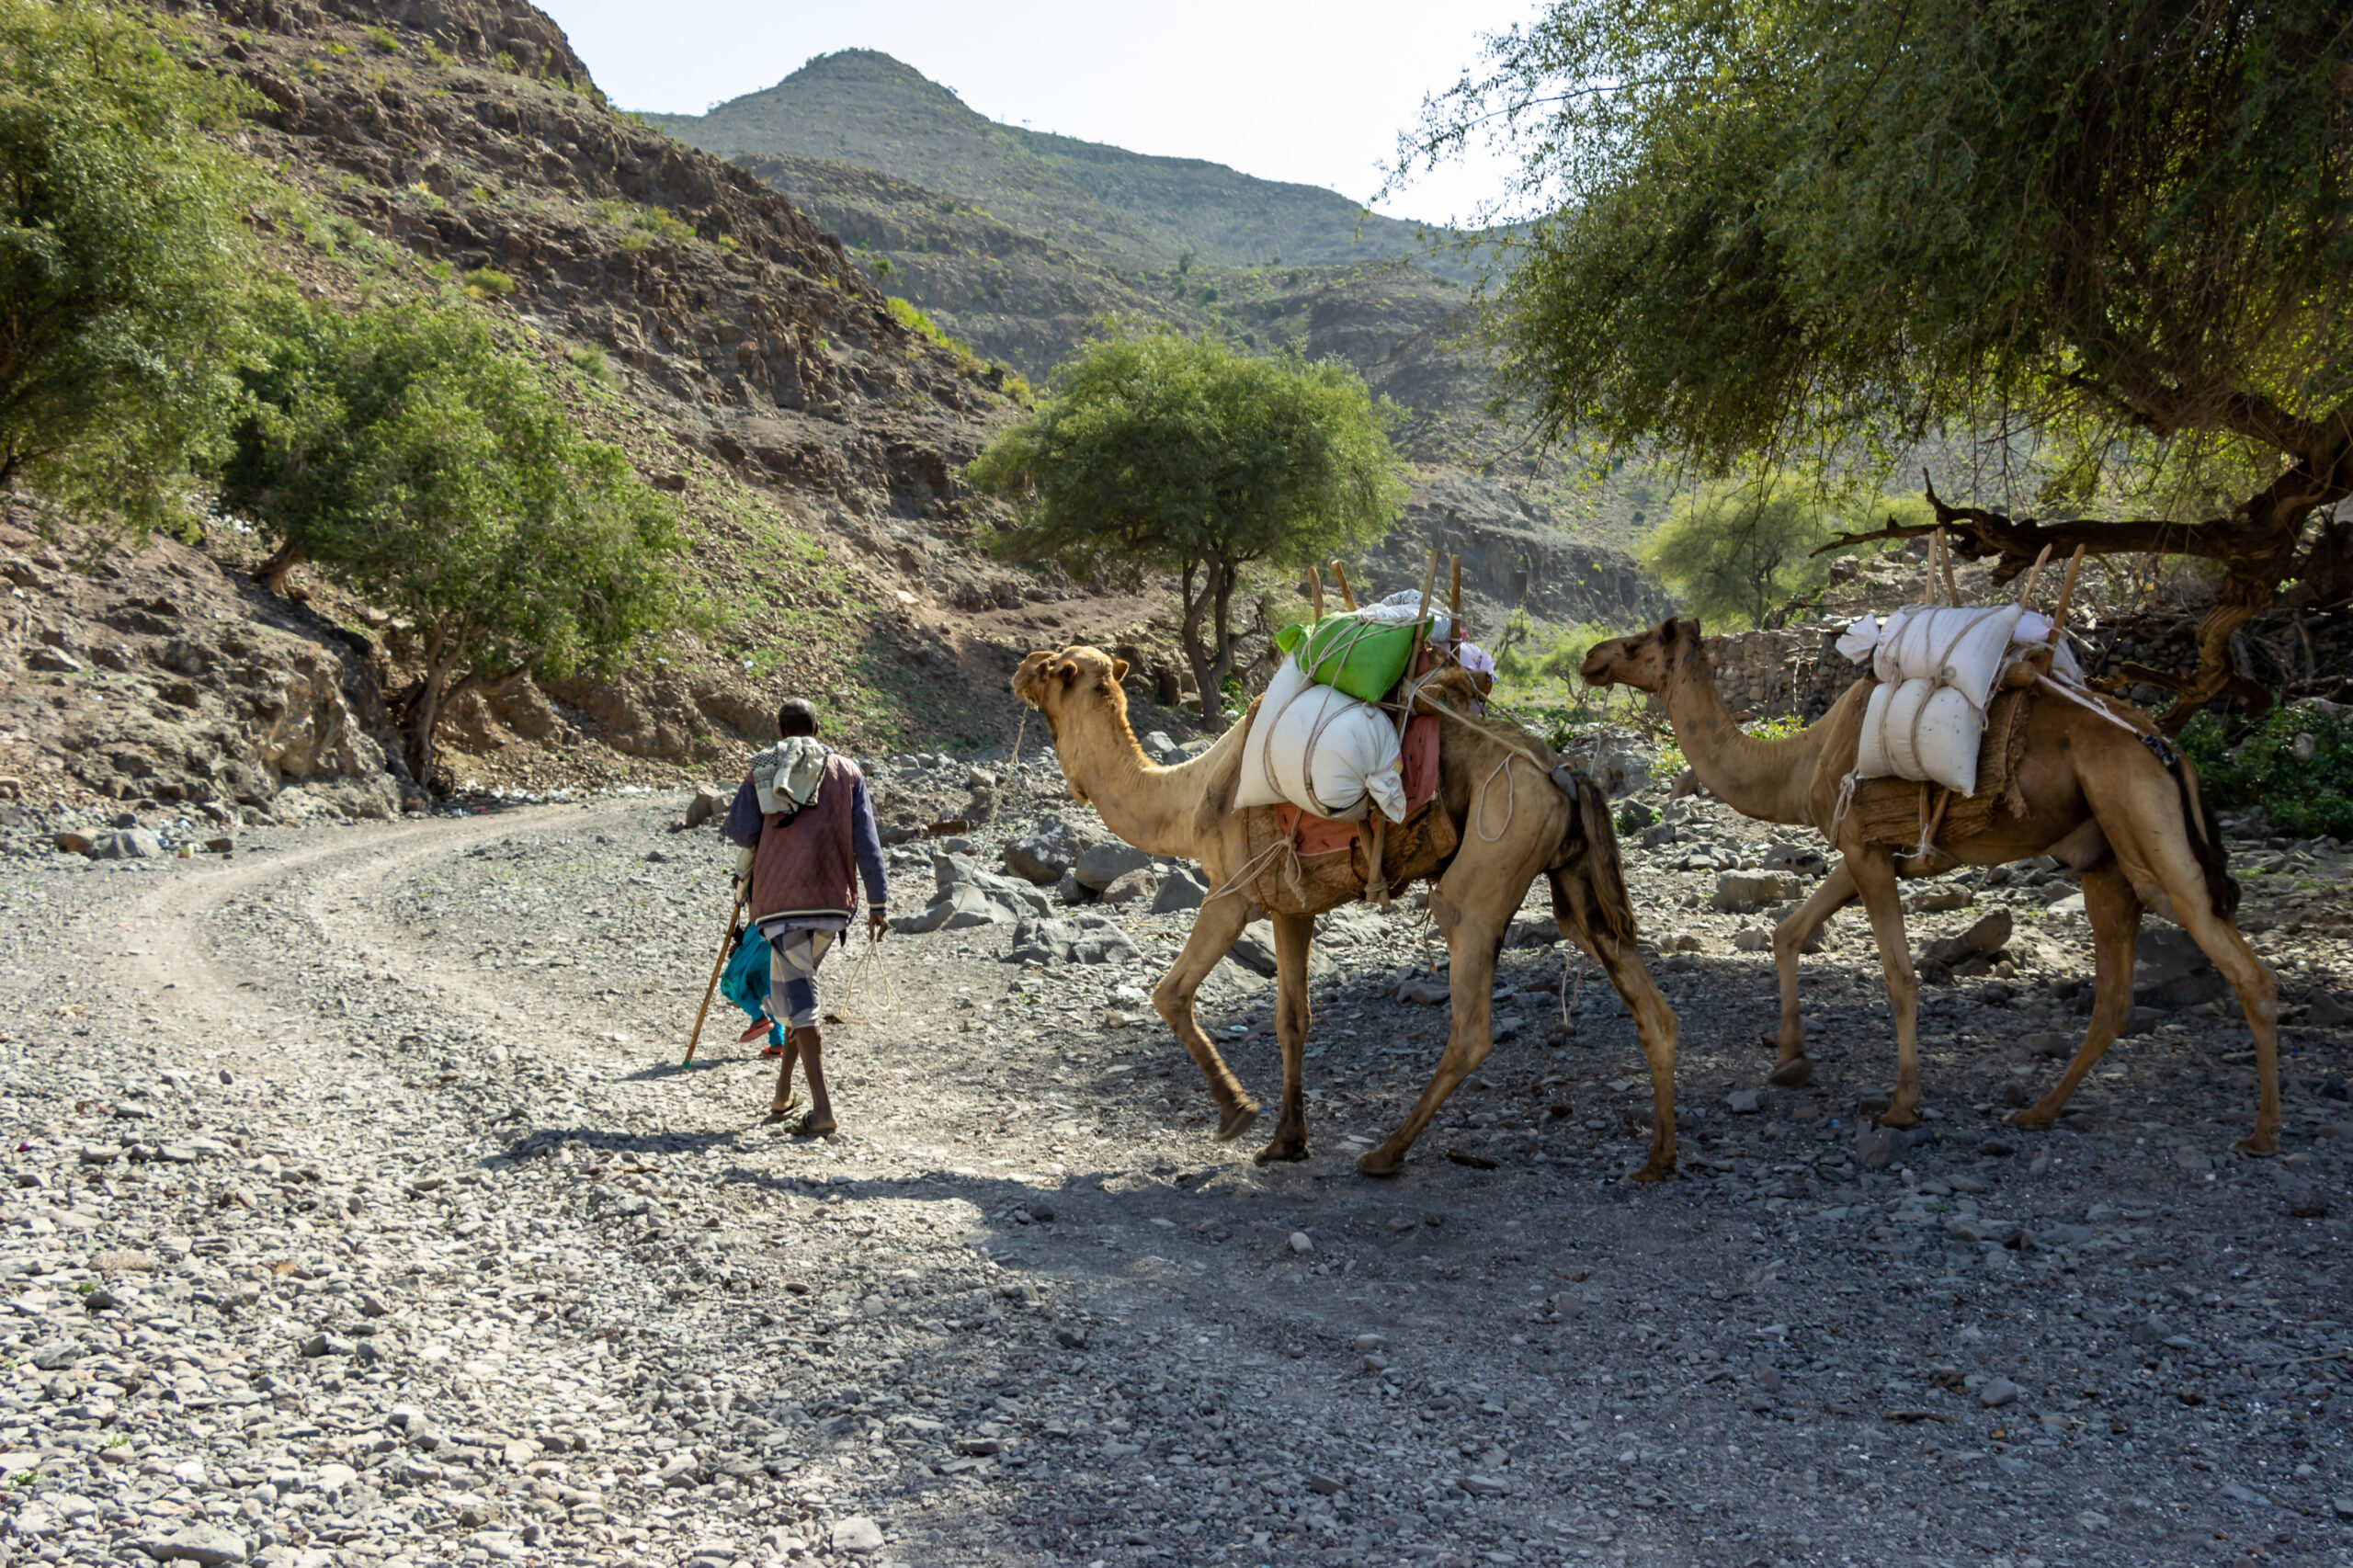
(1812, 228)
(1157, 452)
(1739, 550)
(419, 463)
(122, 260)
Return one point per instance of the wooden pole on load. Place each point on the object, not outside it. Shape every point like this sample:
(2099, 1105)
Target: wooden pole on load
(1944, 552)
(2034, 573)
(1454, 600)
(1377, 881)
(1315, 593)
(1928, 583)
(2066, 592)
(1340, 578)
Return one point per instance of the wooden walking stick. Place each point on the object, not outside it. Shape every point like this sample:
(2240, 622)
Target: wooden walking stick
(717, 964)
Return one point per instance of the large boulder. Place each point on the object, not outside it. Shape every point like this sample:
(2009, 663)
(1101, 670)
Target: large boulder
(958, 909)
(2170, 970)
(1132, 886)
(1047, 851)
(1255, 950)
(127, 844)
(1103, 864)
(1071, 939)
(1618, 759)
(1743, 892)
(951, 871)
(710, 803)
(1179, 890)
(1983, 941)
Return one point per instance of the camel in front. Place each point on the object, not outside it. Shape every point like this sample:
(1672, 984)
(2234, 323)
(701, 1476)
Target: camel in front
(1509, 823)
(2096, 798)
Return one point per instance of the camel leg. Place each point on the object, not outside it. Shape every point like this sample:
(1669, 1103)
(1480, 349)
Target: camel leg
(1473, 939)
(1577, 911)
(1837, 891)
(1873, 871)
(1654, 1022)
(2259, 993)
(1293, 936)
(2142, 815)
(1221, 920)
(2115, 914)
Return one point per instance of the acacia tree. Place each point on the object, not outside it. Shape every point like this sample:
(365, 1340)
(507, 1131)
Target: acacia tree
(1813, 228)
(417, 463)
(123, 256)
(1746, 547)
(1161, 453)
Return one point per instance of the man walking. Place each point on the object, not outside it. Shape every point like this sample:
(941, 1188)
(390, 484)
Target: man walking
(807, 833)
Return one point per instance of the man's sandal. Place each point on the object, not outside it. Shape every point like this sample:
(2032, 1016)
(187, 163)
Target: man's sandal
(806, 1127)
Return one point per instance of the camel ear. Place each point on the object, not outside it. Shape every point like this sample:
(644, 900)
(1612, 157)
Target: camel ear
(1065, 672)
(1119, 671)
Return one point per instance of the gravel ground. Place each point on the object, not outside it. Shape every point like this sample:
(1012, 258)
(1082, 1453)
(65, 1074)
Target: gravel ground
(362, 1214)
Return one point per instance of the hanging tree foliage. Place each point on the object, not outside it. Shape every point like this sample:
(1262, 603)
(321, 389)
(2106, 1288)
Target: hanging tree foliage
(1808, 228)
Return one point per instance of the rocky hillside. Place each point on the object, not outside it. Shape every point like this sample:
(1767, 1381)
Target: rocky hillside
(695, 316)
(1020, 244)
(863, 108)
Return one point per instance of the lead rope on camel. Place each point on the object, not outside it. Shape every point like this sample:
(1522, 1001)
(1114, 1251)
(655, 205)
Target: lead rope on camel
(1019, 731)
(1572, 972)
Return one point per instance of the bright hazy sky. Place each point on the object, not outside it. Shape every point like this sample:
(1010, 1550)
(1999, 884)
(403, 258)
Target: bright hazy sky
(1283, 89)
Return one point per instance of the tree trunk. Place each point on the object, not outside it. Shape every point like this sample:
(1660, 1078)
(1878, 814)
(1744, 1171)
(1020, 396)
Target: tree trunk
(272, 573)
(1212, 655)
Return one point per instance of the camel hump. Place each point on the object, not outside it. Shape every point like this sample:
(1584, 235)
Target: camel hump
(1219, 789)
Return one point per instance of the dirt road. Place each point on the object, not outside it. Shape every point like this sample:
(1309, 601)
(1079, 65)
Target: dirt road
(363, 1215)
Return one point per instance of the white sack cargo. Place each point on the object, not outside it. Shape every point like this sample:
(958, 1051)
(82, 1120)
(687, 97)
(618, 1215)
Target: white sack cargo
(1400, 608)
(1322, 751)
(1916, 729)
(1870, 641)
(1937, 667)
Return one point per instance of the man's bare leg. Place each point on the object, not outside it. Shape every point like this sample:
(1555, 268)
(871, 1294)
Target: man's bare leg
(810, 1047)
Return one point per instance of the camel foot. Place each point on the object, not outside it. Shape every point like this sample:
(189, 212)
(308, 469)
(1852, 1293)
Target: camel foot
(1285, 1149)
(1380, 1162)
(1655, 1168)
(1796, 1073)
(1239, 1118)
(2034, 1119)
(2260, 1144)
(1899, 1119)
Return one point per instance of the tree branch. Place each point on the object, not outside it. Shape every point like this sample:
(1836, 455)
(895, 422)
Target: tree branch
(1978, 533)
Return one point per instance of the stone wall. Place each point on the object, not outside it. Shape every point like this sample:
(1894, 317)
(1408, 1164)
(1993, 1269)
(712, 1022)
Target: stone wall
(1769, 674)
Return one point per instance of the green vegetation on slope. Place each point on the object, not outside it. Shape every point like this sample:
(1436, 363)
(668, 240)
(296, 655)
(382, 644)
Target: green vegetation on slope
(122, 257)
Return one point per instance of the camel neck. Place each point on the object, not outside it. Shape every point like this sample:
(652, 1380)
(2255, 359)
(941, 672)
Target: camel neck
(1148, 806)
(1770, 780)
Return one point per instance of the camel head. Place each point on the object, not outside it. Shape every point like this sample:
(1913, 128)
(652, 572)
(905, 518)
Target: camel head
(1644, 660)
(1064, 684)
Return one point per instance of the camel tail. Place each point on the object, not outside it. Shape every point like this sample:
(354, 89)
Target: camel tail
(1605, 870)
(2205, 839)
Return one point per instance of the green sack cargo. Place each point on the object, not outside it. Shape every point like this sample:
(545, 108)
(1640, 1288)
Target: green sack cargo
(1355, 652)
